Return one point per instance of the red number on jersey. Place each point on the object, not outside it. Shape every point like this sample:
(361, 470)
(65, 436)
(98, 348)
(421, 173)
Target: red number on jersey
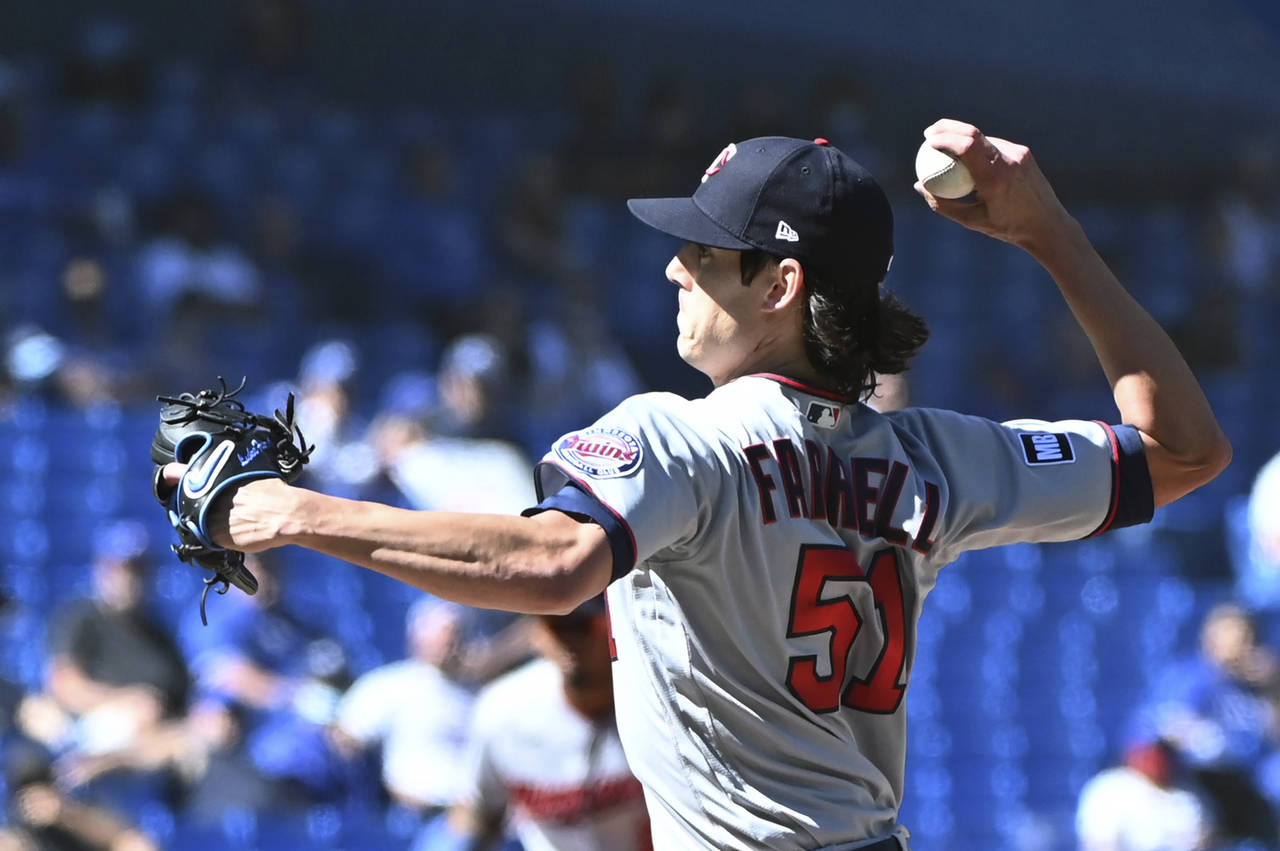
(879, 691)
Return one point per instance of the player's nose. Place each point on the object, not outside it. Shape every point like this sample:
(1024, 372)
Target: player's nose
(678, 274)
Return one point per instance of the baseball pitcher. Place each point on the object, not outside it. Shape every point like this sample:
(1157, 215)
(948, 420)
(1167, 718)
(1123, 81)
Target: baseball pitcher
(768, 549)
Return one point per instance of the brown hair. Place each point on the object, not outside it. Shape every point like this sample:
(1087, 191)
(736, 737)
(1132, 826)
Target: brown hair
(850, 340)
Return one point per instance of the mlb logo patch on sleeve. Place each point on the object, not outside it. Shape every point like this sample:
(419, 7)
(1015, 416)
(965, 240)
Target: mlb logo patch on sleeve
(1047, 448)
(601, 453)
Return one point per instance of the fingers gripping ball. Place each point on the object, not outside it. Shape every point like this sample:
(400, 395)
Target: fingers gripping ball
(942, 175)
(224, 446)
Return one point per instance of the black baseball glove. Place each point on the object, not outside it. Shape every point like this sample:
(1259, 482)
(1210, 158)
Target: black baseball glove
(224, 446)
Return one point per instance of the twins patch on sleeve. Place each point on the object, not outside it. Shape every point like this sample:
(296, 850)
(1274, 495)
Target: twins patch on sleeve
(601, 453)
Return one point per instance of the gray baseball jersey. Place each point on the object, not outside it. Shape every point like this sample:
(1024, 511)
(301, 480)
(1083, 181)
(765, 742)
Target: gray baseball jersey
(773, 546)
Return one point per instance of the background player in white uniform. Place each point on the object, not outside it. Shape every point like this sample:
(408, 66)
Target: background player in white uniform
(545, 751)
(768, 549)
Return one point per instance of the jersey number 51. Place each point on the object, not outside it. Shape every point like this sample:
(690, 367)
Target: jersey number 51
(880, 691)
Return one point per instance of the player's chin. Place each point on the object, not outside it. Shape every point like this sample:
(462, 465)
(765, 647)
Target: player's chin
(685, 348)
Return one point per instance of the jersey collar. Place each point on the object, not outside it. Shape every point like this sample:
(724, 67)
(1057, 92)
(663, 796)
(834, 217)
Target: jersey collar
(803, 387)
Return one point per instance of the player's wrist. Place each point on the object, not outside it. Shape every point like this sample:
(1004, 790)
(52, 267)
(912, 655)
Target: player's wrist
(300, 515)
(1054, 241)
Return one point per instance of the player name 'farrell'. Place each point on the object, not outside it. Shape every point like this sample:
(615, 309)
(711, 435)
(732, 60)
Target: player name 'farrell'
(857, 494)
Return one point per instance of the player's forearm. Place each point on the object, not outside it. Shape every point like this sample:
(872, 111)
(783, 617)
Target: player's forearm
(548, 563)
(1153, 387)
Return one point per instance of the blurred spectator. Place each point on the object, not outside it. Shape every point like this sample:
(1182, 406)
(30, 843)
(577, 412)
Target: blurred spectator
(1219, 711)
(275, 32)
(1246, 221)
(406, 404)
(431, 245)
(269, 64)
(102, 360)
(414, 713)
(107, 65)
(531, 225)
(473, 381)
(191, 264)
(32, 358)
(115, 674)
(759, 110)
(325, 411)
(12, 130)
(448, 464)
(673, 141)
(577, 370)
(275, 681)
(428, 444)
(1258, 577)
(43, 816)
(842, 112)
(434, 444)
(306, 279)
(545, 752)
(88, 357)
(203, 293)
(1244, 248)
(277, 249)
(12, 613)
(1140, 805)
(595, 153)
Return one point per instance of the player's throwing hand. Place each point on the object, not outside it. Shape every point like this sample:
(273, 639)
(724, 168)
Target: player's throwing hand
(1015, 203)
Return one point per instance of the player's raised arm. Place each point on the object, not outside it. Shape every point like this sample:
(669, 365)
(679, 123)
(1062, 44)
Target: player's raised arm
(1152, 384)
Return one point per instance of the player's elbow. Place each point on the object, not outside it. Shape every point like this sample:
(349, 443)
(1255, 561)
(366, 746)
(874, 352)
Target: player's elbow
(576, 570)
(1174, 475)
(1212, 457)
(1222, 454)
(562, 588)
(576, 580)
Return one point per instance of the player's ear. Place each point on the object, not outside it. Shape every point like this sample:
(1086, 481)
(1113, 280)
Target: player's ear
(786, 287)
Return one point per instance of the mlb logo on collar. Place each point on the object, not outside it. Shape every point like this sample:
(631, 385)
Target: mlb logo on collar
(823, 415)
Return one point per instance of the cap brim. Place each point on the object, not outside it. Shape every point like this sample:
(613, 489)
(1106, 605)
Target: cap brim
(681, 218)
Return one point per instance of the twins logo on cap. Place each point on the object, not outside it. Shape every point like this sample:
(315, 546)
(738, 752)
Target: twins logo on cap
(719, 162)
(601, 453)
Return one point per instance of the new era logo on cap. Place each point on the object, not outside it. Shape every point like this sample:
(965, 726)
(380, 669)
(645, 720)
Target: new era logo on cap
(785, 231)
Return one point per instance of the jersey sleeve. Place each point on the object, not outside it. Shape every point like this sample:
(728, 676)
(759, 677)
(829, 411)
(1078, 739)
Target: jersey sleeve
(643, 472)
(1031, 480)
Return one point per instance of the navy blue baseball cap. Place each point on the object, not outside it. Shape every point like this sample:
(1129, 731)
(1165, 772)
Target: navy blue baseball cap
(791, 198)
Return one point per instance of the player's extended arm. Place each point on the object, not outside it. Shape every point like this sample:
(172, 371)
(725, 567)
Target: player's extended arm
(1152, 385)
(544, 564)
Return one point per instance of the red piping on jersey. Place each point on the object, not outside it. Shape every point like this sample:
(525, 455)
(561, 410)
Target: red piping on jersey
(806, 388)
(635, 553)
(1115, 480)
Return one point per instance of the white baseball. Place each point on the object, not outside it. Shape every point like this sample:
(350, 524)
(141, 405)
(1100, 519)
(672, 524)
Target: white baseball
(941, 174)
